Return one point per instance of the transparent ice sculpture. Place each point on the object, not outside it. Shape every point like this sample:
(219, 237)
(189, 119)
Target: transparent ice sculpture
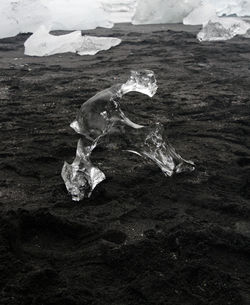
(98, 117)
(81, 177)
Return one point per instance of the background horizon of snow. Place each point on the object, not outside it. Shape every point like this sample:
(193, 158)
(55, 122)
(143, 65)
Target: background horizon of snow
(161, 11)
(119, 10)
(173, 11)
(20, 16)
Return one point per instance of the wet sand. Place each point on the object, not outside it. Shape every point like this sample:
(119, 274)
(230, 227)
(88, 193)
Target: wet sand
(142, 238)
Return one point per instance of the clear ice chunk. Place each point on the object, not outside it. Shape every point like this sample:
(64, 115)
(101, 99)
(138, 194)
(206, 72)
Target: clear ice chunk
(98, 115)
(223, 28)
(42, 43)
(97, 118)
(81, 177)
(149, 143)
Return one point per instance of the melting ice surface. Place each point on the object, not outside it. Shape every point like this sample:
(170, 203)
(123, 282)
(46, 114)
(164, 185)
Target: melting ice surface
(98, 116)
(81, 177)
(42, 43)
(223, 28)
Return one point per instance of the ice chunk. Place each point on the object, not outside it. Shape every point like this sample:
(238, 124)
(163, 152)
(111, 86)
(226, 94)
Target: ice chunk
(141, 81)
(98, 115)
(200, 15)
(22, 16)
(162, 11)
(223, 28)
(81, 177)
(42, 43)
(149, 143)
(77, 14)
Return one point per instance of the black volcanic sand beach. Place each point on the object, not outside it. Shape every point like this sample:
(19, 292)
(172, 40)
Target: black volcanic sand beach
(142, 238)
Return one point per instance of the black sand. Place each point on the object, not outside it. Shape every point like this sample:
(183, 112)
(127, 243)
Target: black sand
(142, 238)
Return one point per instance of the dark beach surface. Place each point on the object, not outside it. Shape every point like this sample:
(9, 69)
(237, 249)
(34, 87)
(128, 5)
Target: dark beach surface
(141, 238)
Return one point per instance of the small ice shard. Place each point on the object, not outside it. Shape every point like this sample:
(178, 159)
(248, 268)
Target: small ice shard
(98, 115)
(223, 28)
(149, 143)
(42, 43)
(81, 177)
(200, 15)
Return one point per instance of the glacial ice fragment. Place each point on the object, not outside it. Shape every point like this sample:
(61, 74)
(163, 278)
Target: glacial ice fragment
(42, 43)
(81, 177)
(98, 115)
(223, 28)
(149, 143)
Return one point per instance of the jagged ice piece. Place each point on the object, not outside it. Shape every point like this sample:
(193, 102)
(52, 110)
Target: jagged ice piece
(150, 144)
(81, 177)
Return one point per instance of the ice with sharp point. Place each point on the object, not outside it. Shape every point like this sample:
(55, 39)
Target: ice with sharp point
(81, 177)
(150, 144)
(42, 43)
(96, 119)
(223, 28)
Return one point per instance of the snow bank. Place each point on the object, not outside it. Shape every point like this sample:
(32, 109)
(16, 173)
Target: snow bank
(42, 43)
